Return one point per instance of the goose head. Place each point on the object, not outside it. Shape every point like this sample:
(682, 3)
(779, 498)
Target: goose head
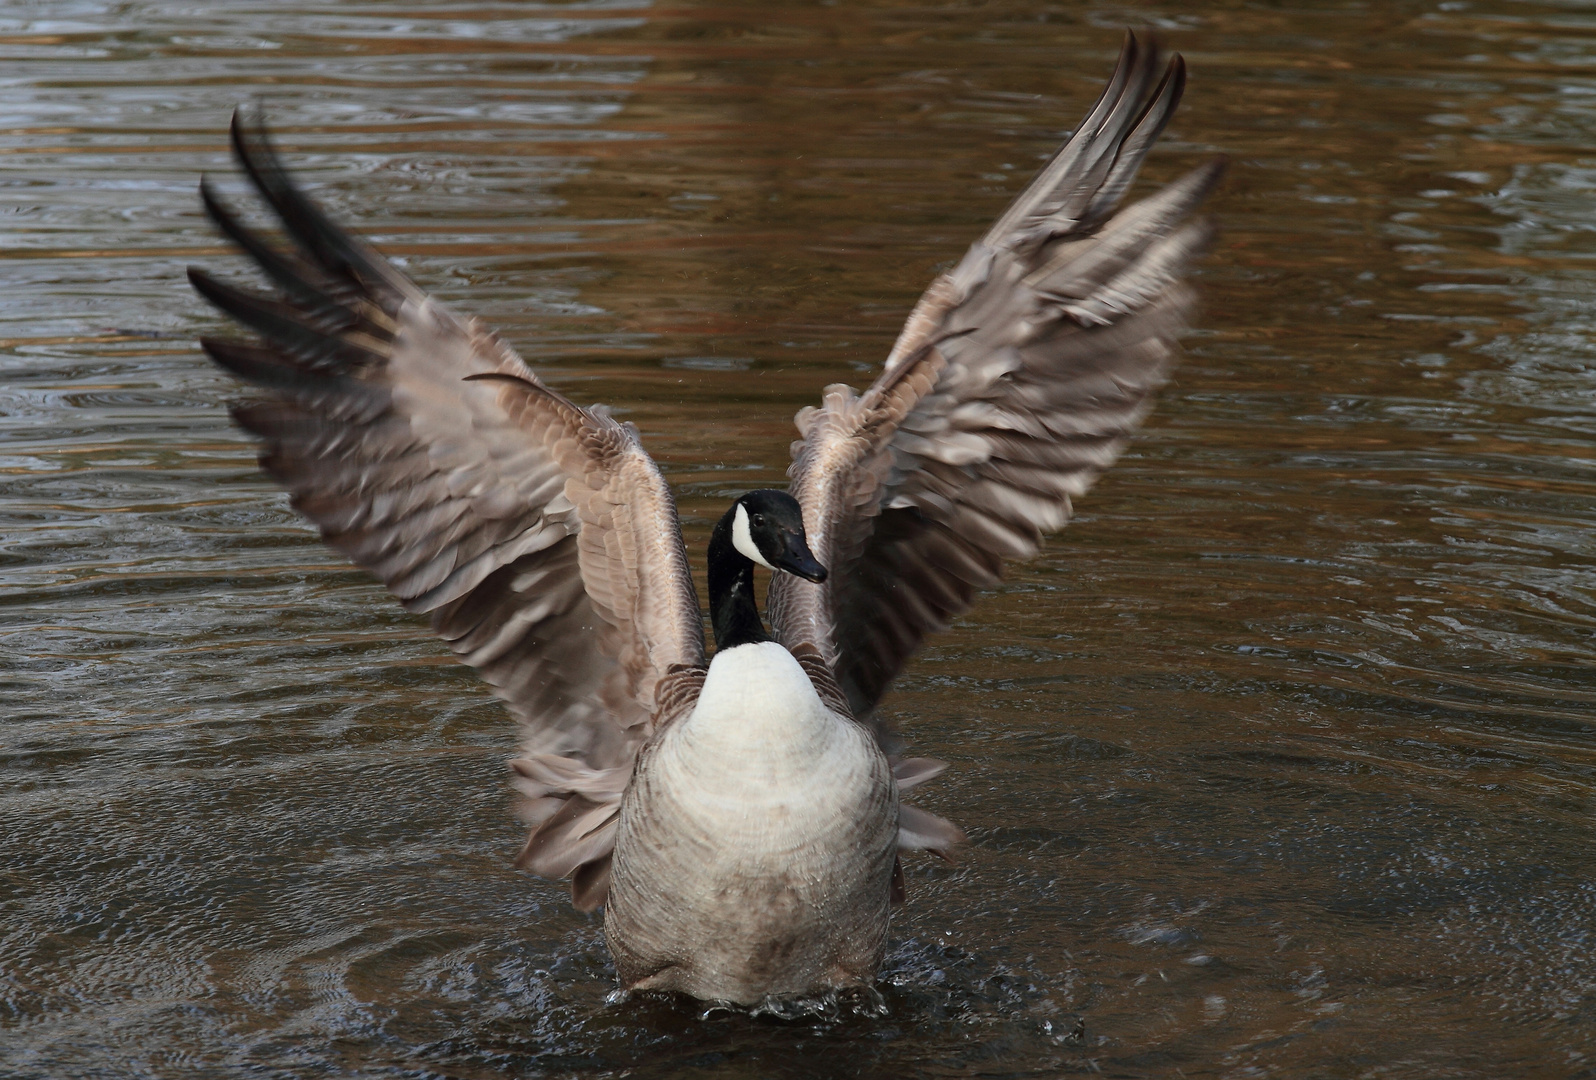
(765, 528)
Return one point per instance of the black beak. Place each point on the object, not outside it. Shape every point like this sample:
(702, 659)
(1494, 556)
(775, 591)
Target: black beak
(797, 559)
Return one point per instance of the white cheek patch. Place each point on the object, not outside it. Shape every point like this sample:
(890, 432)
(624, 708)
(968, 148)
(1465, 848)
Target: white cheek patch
(743, 540)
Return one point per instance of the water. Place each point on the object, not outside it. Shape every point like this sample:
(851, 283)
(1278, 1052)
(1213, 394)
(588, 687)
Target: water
(1278, 762)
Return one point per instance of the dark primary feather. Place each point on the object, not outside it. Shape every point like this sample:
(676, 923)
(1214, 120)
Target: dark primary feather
(1016, 381)
(538, 536)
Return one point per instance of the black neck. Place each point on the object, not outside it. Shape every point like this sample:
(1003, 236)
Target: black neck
(732, 608)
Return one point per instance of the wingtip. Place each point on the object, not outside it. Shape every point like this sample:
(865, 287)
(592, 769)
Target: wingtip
(1177, 71)
(312, 231)
(1161, 104)
(212, 345)
(1132, 51)
(219, 293)
(236, 134)
(199, 280)
(1148, 44)
(252, 143)
(251, 363)
(212, 202)
(247, 119)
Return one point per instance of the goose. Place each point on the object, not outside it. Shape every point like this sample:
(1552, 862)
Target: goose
(739, 818)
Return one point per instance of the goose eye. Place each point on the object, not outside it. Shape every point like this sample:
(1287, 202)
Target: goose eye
(759, 519)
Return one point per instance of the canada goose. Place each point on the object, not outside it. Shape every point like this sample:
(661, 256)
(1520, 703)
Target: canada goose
(738, 819)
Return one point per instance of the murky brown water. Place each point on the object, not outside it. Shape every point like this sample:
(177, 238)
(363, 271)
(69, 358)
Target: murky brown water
(1281, 762)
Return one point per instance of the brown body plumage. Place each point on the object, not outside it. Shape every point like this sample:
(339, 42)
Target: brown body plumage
(543, 543)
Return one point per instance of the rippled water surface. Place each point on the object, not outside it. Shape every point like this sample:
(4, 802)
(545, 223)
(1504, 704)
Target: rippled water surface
(1278, 763)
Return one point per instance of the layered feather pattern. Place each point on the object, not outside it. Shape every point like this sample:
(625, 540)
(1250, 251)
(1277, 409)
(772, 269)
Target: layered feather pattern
(1016, 381)
(538, 536)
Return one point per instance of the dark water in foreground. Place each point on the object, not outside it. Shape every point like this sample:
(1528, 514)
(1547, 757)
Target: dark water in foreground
(1278, 763)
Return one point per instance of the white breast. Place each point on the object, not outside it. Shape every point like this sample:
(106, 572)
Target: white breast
(755, 843)
(760, 738)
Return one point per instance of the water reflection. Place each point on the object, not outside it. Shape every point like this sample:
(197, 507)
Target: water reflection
(1280, 760)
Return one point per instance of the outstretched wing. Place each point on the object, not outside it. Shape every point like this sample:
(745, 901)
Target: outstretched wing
(1016, 381)
(538, 536)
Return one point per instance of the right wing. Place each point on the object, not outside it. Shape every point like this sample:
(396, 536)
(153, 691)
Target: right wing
(1017, 380)
(539, 537)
